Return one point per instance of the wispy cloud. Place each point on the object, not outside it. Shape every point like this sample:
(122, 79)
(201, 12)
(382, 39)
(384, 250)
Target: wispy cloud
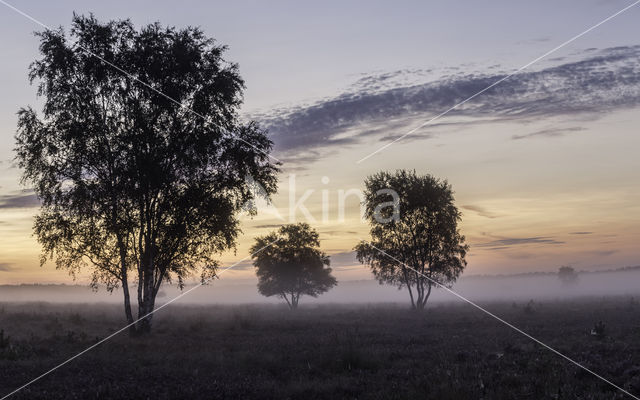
(600, 81)
(343, 259)
(602, 253)
(243, 265)
(505, 243)
(19, 200)
(552, 132)
(480, 211)
(338, 233)
(268, 226)
(6, 267)
(535, 40)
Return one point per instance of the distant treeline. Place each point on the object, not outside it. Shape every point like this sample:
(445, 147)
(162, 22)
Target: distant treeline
(482, 276)
(540, 273)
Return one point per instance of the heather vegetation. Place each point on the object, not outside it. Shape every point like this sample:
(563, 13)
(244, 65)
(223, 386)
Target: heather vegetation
(451, 351)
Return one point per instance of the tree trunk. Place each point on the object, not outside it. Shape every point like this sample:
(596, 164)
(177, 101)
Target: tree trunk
(125, 285)
(145, 309)
(413, 302)
(145, 315)
(406, 281)
(424, 296)
(127, 305)
(284, 296)
(420, 291)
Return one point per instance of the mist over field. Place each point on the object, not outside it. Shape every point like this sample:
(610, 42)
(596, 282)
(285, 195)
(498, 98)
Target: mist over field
(433, 201)
(521, 287)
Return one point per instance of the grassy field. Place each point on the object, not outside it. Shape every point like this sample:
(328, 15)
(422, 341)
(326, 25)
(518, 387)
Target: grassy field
(451, 351)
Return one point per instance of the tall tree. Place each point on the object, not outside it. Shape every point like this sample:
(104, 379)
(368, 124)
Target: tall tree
(290, 264)
(416, 241)
(143, 185)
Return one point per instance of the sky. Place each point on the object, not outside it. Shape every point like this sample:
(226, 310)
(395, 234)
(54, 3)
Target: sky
(543, 165)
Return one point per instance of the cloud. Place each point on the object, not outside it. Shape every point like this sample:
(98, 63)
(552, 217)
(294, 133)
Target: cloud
(20, 200)
(505, 243)
(580, 233)
(552, 132)
(480, 211)
(299, 160)
(243, 265)
(602, 253)
(521, 255)
(598, 82)
(268, 226)
(343, 259)
(338, 233)
(6, 267)
(535, 40)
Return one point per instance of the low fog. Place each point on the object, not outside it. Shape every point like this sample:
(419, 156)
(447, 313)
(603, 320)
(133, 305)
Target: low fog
(475, 288)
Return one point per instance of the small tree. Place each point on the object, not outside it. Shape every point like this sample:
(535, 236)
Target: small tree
(133, 183)
(567, 275)
(422, 244)
(289, 264)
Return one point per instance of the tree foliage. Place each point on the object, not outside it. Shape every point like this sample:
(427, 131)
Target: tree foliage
(289, 263)
(423, 244)
(133, 180)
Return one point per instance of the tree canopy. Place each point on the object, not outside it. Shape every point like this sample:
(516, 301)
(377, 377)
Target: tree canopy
(423, 243)
(135, 180)
(289, 263)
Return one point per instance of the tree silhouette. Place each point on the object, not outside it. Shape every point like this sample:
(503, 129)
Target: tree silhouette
(141, 184)
(424, 236)
(289, 264)
(567, 275)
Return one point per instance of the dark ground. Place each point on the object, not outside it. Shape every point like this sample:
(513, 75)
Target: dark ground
(367, 352)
